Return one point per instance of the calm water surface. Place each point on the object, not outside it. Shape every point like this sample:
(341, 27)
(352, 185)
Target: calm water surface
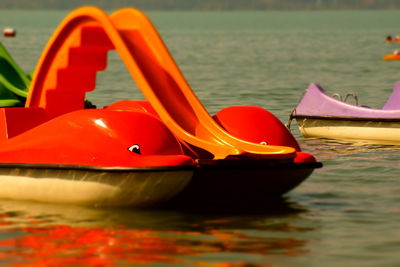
(346, 214)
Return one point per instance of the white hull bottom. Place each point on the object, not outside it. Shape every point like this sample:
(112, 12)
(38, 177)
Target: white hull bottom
(89, 187)
(375, 131)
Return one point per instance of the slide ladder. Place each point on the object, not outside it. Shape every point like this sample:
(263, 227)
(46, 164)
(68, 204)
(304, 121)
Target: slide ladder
(78, 49)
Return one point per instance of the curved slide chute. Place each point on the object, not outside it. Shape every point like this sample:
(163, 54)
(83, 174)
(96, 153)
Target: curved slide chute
(78, 49)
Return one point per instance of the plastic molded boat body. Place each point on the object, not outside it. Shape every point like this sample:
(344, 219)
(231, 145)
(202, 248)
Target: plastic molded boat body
(135, 153)
(93, 157)
(249, 181)
(320, 115)
(244, 180)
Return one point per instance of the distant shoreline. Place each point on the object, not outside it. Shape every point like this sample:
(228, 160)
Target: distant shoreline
(198, 9)
(207, 5)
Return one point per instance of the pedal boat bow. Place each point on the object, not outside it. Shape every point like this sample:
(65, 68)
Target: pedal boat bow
(240, 180)
(91, 157)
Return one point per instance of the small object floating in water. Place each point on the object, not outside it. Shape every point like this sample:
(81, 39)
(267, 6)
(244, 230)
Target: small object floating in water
(391, 39)
(9, 32)
(323, 116)
(394, 56)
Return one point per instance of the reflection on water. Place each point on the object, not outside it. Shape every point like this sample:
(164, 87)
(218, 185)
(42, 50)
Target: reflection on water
(96, 246)
(38, 234)
(330, 148)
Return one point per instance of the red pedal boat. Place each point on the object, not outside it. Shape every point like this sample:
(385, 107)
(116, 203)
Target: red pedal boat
(135, 153)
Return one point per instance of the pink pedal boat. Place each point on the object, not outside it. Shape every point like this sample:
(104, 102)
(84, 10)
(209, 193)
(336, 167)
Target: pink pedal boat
(323, 116)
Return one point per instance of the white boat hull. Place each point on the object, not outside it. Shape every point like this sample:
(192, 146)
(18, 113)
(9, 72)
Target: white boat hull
(385, 132)
(112, 187)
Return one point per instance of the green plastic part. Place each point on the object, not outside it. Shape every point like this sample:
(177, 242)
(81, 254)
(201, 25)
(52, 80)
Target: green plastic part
(14, 82)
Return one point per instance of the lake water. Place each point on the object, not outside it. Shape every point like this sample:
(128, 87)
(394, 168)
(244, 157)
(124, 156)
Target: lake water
(345, 214)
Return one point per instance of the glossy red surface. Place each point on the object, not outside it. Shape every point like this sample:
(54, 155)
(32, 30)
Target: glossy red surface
(255, 124)
(97, 138)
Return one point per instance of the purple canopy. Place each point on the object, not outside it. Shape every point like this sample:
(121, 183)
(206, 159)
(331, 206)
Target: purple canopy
(316, 102)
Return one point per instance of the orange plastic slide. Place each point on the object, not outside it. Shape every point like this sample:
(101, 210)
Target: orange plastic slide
(78, 49)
